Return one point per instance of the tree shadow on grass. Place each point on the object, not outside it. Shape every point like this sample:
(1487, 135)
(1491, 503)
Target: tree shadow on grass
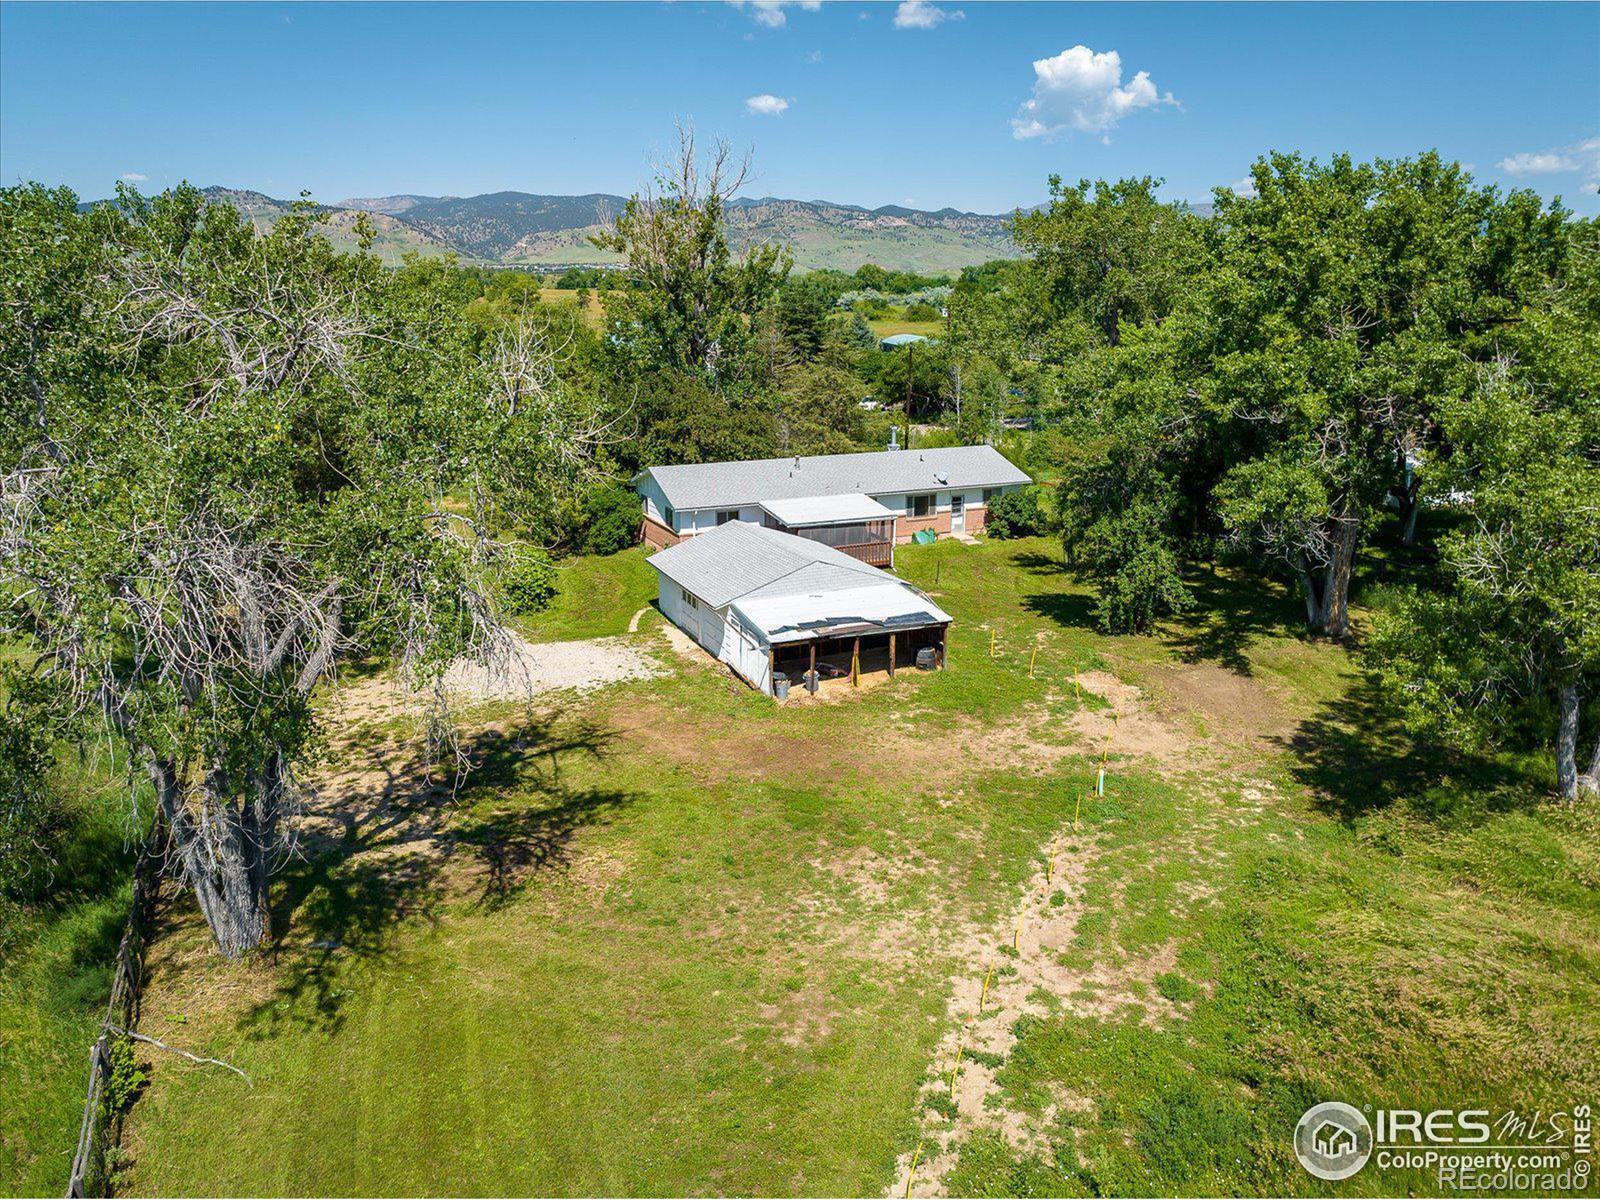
(1357, 759)
(399, 841)
(1232, 611)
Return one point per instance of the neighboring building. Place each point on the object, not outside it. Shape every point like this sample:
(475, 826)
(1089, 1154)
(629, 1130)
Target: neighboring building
(763, 601)
(895, 341)
(861, 504)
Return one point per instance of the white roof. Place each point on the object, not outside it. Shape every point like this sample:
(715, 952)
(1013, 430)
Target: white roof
(827, 510)
(790, 588)
(874, 473)
(877, 608)
(739, 557)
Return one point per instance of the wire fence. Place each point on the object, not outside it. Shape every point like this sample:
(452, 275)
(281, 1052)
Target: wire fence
(102, 1109)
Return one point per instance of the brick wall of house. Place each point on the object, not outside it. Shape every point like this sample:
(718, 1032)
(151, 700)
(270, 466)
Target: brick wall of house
(656, 535)
(938, 522)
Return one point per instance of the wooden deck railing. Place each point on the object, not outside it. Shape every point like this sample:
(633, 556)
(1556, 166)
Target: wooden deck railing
(874, 554)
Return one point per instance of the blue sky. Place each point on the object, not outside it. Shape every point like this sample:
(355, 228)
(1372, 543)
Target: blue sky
(926, 104)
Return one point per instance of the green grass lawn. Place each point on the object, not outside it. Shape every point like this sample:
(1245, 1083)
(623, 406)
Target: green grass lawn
(673, 938)
(56, 958)
(597, 597)
(896, 322)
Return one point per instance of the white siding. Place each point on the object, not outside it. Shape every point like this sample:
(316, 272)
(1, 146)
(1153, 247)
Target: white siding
(703, 519)
(941, 500)
(717, 632)
(655, 502)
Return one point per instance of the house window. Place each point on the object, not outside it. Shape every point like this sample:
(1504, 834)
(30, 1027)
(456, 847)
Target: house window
(988, 495)
(688, 598)
(919, 506)
(724, 515)
(667, 518)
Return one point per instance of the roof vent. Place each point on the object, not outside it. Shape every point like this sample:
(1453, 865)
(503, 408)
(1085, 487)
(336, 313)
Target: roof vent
(796, 462)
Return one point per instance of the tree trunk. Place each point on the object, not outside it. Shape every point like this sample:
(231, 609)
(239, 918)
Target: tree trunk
(1336, 583)
(1589, 781)
(1314, 598)
(1408, 517)
(1567, 742)
(224, 854)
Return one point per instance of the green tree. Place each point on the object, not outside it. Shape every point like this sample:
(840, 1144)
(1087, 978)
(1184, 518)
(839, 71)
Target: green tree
(226, 462)
(927, 366)
(1513, 627)
(1111, 254)
(803, 311)
(1342, 306)
(1122, 495)
(692, 301)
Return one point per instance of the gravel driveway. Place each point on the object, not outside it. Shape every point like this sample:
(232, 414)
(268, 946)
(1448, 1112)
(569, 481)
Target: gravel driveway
(551, 666)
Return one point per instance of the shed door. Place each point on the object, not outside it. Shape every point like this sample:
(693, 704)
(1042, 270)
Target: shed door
(711, 629)
(958, 513)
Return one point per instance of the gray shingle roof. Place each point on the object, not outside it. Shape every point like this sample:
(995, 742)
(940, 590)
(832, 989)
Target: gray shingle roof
(738, 558)
(877, 473)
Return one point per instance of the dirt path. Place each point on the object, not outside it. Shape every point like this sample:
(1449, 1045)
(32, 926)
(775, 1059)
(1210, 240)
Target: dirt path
(1020, 968)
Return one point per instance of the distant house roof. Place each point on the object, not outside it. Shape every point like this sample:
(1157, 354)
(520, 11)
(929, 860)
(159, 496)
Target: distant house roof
(843, 509)
(790, 588)
(740, 558)
(875, 473)
(896, 340)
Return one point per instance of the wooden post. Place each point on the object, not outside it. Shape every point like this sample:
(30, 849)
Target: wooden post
(891, 655)
(910, 348)
(772, 684)
(855, 662)
(811, 681)
(944, 640)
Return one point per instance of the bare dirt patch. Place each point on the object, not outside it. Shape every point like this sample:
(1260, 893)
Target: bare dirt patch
(1131, 728)
(1239, 711)
(1021, 968)
(529, 669)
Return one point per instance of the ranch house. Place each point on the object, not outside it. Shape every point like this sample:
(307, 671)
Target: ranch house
(858, 504)
(778, 608)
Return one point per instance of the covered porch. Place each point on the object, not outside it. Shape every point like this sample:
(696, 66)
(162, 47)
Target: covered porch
(853, 524)
(844, 658)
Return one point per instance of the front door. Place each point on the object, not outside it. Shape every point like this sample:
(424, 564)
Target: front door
(958, 513)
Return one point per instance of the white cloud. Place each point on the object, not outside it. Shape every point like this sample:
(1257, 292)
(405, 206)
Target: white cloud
(1547, 163)
(814, 57)
(766, 105)
(1081, 90)
(133, 177)
(1581, 156)
(1245, 187)
(770, 12)
(919, 14)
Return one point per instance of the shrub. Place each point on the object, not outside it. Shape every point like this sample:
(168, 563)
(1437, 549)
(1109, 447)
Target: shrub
(610, 520)
(1016, 514)
(127, 1077)
(921, 312)
(527, 582)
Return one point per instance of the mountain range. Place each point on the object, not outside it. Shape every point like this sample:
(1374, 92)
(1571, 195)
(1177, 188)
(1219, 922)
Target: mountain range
(522, 229)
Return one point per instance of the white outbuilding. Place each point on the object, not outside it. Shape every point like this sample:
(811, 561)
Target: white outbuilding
(770, 604)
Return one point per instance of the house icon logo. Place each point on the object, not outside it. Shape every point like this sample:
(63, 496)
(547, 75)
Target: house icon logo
(1333, 1141)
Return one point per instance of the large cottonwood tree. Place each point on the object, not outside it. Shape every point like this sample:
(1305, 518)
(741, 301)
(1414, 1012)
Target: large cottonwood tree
(231, 459)
(1344, 303)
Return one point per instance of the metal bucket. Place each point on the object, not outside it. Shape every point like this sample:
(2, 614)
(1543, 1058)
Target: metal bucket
(780, 685)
